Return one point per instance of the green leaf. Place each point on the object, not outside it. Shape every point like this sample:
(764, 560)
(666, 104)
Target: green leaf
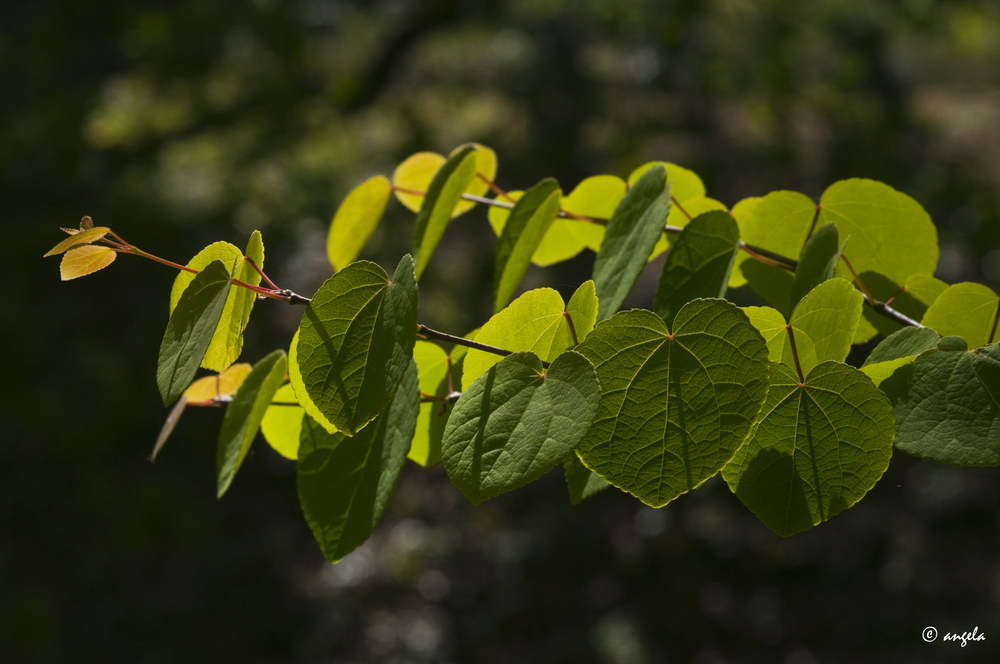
(912, 300)
(443, 196)
(897, 350)
(817, 263)
(282, 423)
(190, 330)
(356, 341)
(965, 310)
(581, 481)
(779, 222)
(815, 449)
(823, 323)
(596, 198)
(345, 483)
(678, 217)
(685, 184)
(528, 223)
(742, 212)
(699, 263)
(518, 421)
(416, 173)
(674, 407)
(227, 341)
(537, 321)
(433, 365)
(356, 220)
(632, 231)
(299, 387)
(243, 415)
(947, 404)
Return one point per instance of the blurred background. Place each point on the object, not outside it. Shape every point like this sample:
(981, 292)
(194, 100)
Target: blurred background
(182, 123)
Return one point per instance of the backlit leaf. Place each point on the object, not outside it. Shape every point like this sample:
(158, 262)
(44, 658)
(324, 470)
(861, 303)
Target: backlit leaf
(486, 165)
(528, 223)
(433, 365)
(817, 263)
(699, 263)
(632, 231)
(694, 207)
(518, 421)
(224, 384)
(243, 415)
(741, 212)
(674, 406)
(443, 194)
(965, 310)
(79, 238)
(536, 321)
(190, 330)
(81, 261)
(299, 387)
(356, 341)
(919, 292)
(815, 449)
(581, 481)
(282, 422)
(416, 173)
(356, 220)
(897, 350)
(345, 483)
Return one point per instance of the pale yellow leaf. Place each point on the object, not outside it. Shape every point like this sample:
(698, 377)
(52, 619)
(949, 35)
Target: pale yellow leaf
(82, 261)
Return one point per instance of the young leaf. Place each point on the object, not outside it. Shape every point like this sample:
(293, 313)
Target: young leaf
(518, 421)
(81, 261)
(528, 223)
(824, 323)
(433, 365)
(224, 384)
(965, 310)
(581, 481)
(632, 231)
(537, 321)
(674, 406)
(190, 330)
(442, 197)
(243, 415)
(356, 220)
(699, 263)
(815, 449)
(282, 423)
(356, 341)
(79, 238)
(345, 483)
(817, 263)
(947, 404)
(898, 350)
(416, 173)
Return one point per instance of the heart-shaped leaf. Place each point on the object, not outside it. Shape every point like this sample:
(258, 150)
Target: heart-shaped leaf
(674, 406)
(815, 449)
(190, 330)
(345, 483)
(356, 341)
(243, 415)
(899, 349)
(965, 310)
(518, 421)
(947, 404)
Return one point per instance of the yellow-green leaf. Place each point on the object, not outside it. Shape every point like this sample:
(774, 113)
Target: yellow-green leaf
(81, 261)
(282, 423)
(224, 384)
(356, 220)
(416, 173)
(77, 239)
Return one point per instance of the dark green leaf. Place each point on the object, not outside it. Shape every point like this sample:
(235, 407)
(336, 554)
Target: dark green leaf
(815, 449)
(190, 330)
(443, 196)
(356, 341)
(898, 350)
(629, 239)
(698, 264)
(345, 483)
(518, 421)
(581, 481)
(527, 224)
(674, 407)
(817, 262)
(243, 415)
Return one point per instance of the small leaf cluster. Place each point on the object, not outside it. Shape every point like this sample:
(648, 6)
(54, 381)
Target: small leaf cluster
(652, 402)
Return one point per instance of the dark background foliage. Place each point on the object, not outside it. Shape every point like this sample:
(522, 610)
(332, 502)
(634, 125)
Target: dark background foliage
(181, 123)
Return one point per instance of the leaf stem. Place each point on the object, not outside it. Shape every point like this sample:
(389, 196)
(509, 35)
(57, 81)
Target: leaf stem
(673, 199)
(572, 328)
(812, 226)
(795, 354)
(428, 333)
(503, 204)
(493, 185)
(263, 276)
(857, 279)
